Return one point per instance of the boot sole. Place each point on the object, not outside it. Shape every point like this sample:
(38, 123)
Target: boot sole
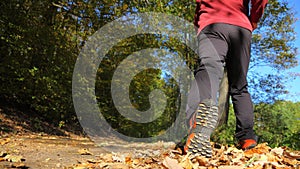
(198, 144)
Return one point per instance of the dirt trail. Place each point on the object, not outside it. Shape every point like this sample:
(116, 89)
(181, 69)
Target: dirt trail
(31, 143)
(51, 152)
(46, 152)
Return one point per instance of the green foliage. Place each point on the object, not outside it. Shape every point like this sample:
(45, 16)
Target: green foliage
(277, 124)
(225, 134)
(142, 84)
(36, 60)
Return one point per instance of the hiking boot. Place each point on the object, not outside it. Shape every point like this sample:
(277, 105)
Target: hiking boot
(247, 144)
(201, 125)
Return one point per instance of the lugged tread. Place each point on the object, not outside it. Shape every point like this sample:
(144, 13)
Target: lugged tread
(206, 119)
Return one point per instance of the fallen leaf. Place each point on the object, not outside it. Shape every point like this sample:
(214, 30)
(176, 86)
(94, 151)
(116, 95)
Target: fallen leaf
(271, 157)
(171, 163)
(136, 161)
(196, 165)
(201, 167)
(292, 155)
(80, 167)
(177, 151)
(112, 166)
(187, 164)
(84, 152)
(224, 160)
(107, 158)
(263, 157)
(118, 166)
(277, 151)
(118, 158)
(148, 160)
(128, 160)
(5, 141)
(202, 161)
(58, 165)
(290, 162)
(48, 159)
(3, 154)
(252, 160)
(19, 165)
(92, 161)
(14, 158)
(259, 149)
(268, 166)
(230, 167)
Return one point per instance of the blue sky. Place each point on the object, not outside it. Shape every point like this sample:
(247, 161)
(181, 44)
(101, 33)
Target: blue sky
(294, 86)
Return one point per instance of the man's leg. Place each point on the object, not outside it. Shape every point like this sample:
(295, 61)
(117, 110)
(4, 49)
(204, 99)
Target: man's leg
(238, 64)
(212, 51)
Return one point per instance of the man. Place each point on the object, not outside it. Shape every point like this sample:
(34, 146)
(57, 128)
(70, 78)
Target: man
(224, 36)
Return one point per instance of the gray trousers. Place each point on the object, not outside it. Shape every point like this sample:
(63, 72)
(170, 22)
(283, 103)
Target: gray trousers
(224, 46)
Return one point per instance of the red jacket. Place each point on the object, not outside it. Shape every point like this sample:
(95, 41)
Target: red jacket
(235, 12)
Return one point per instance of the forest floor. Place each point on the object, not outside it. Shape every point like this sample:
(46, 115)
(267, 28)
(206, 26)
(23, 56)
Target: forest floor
(30, 143)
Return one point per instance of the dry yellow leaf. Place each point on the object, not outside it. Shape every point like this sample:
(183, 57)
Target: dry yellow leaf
(84, 152)
(171, 163)
(202, 161)
(230, 167)
(187, 164)
(5, 141)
